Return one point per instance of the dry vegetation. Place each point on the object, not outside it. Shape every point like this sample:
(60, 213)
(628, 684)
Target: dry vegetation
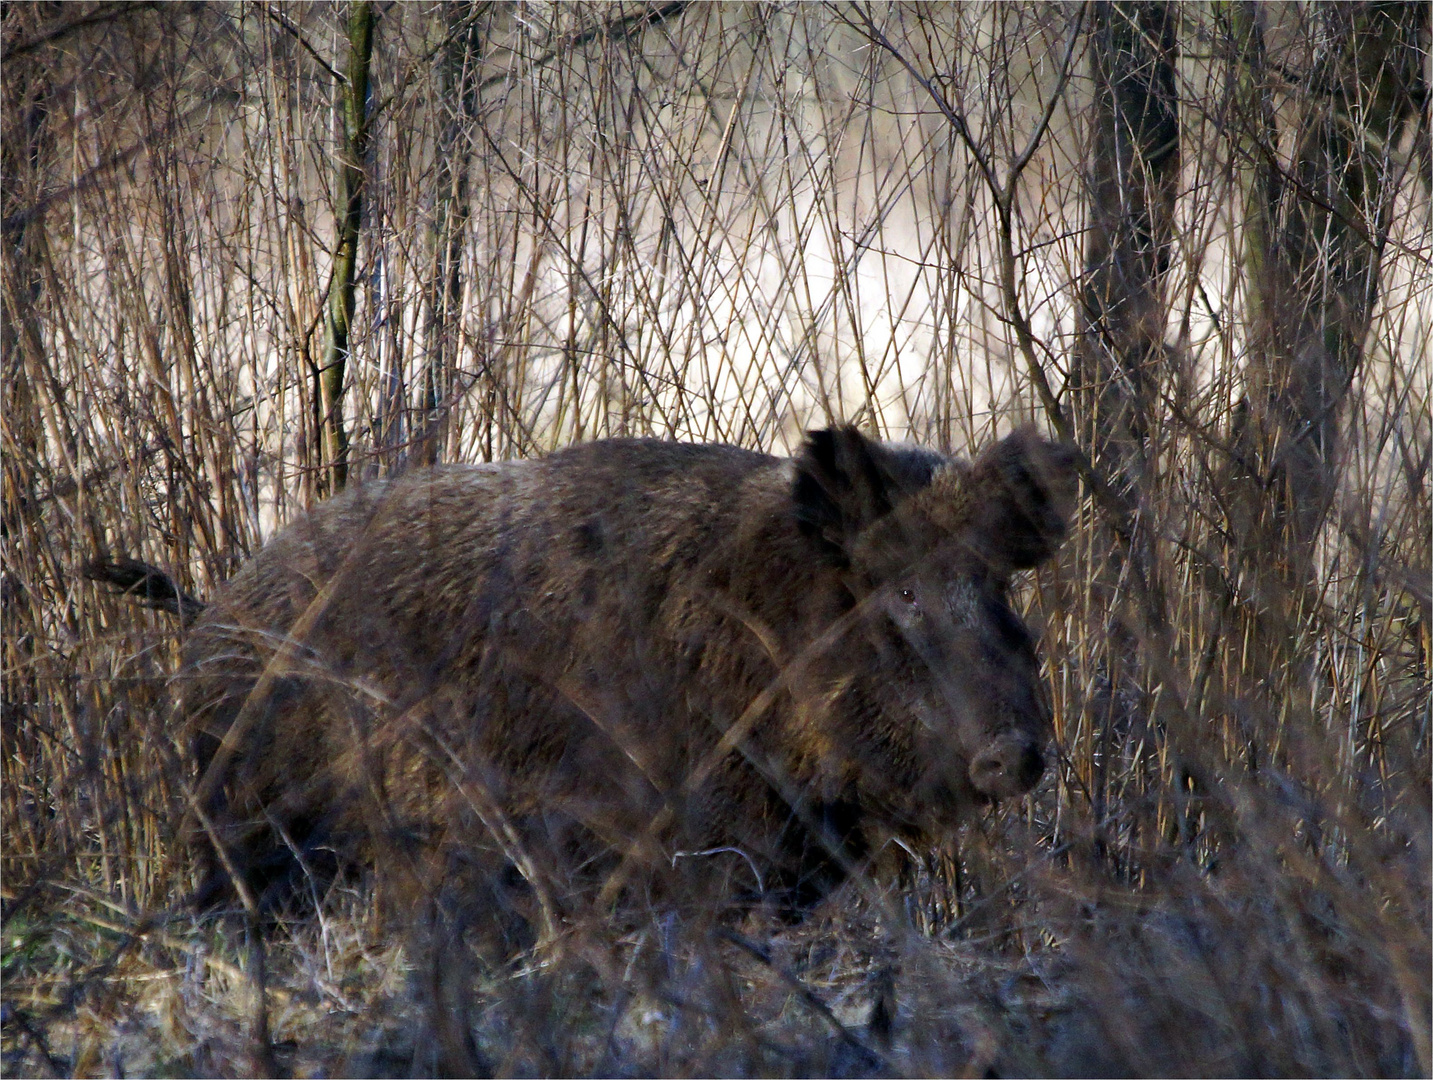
(1199, 246)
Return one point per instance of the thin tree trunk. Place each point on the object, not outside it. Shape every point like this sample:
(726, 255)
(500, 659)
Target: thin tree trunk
(354, 99)
(459, 79)
(1315, 241)
(1313, 237)
(1119, 362)
(1134, 171)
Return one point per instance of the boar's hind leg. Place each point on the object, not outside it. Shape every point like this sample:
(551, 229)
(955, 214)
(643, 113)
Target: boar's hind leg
(261, 816)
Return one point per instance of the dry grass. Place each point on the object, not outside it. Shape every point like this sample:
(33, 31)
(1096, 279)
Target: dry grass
(719, 223)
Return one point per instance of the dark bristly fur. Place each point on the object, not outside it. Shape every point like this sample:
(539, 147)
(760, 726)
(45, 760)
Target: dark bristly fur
(626, 653)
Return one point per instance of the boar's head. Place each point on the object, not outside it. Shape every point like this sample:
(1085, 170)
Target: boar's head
(935, 698)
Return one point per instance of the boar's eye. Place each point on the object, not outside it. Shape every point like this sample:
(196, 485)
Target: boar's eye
(909, 596)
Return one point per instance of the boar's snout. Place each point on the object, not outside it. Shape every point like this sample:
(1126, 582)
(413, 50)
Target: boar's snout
(1010, 766)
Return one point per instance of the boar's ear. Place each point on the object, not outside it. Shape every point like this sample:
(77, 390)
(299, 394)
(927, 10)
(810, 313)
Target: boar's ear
(843, 483)
(1022, 494)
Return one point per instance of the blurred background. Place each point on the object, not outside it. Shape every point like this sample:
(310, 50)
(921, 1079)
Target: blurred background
(256, 252)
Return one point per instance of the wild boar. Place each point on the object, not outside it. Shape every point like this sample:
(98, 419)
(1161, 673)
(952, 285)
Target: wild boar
(629, 655)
